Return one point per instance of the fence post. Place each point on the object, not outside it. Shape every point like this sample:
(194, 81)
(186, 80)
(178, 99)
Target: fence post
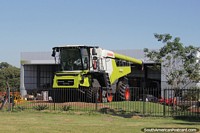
(8, 92)
(96, 97)
(164, 106)
(54, 104)
(144, 100)
(198, 102)
(13, 96)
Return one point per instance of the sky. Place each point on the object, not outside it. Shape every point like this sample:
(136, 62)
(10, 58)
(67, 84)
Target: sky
(39, 25)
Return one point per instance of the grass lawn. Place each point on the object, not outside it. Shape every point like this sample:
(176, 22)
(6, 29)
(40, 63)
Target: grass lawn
(82, 122)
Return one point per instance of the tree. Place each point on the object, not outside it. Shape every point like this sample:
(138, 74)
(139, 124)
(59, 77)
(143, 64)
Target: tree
(4, 65)
(179, 63)
(11, 74)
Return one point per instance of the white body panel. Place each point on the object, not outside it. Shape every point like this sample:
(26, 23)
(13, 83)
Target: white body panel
(104, 58)
(107, 58)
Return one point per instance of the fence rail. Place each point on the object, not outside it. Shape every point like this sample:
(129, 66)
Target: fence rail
(143, 101)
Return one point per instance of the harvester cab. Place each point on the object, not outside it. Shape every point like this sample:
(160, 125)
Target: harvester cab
(75, 63)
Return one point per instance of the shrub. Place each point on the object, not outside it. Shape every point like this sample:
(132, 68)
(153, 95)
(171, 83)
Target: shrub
(107, 110)
(20, 108)
(40, 107)
(66, 108)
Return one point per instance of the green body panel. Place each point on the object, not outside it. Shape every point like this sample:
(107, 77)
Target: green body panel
(86, 82)
(79, 79)
(118, 72)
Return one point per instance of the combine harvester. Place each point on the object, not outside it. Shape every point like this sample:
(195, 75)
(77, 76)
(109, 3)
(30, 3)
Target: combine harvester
(90, 68)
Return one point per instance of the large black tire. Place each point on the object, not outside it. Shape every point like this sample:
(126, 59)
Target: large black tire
(92, 92)
(123, 90)
(91, 95)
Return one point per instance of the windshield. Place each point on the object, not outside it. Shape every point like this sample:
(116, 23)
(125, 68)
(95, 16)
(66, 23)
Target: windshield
(74, 59)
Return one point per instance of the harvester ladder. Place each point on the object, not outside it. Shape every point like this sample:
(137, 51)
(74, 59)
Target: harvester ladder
(107, 81)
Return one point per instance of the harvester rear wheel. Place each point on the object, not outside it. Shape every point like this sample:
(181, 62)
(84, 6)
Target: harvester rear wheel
(123, 91)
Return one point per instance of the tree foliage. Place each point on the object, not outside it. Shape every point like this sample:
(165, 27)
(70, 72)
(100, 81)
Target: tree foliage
(179, 63)
(11, 74)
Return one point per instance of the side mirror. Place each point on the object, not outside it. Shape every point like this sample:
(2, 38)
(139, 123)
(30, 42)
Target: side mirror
(86, 60)
(94, 52)
(94, 58)
(57, 49)
(53, 53)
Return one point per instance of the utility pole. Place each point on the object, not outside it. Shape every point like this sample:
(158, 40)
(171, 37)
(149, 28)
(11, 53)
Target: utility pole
(8, 94)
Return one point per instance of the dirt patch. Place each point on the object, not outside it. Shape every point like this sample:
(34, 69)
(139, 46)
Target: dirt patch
(74, 104)
(136, 117)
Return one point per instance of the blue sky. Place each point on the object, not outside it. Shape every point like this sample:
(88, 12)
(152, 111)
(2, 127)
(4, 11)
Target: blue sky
(39, 25)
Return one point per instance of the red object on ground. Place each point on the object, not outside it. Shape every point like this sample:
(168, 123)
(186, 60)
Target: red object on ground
(127, 94)
(167, 101)
(109, 97)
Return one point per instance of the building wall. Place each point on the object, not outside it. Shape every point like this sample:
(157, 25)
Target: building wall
(30, 76)
(38, 76)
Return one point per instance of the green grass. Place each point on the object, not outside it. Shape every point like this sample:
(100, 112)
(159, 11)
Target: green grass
(82, 122)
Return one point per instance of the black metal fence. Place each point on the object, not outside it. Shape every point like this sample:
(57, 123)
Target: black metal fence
(182, 102)
(143, 101)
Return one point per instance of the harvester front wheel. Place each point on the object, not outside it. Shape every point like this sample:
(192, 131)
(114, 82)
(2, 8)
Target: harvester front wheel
(91, 95)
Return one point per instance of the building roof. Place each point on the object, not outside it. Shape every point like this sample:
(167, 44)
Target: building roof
(37, 58)
(46, 58)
